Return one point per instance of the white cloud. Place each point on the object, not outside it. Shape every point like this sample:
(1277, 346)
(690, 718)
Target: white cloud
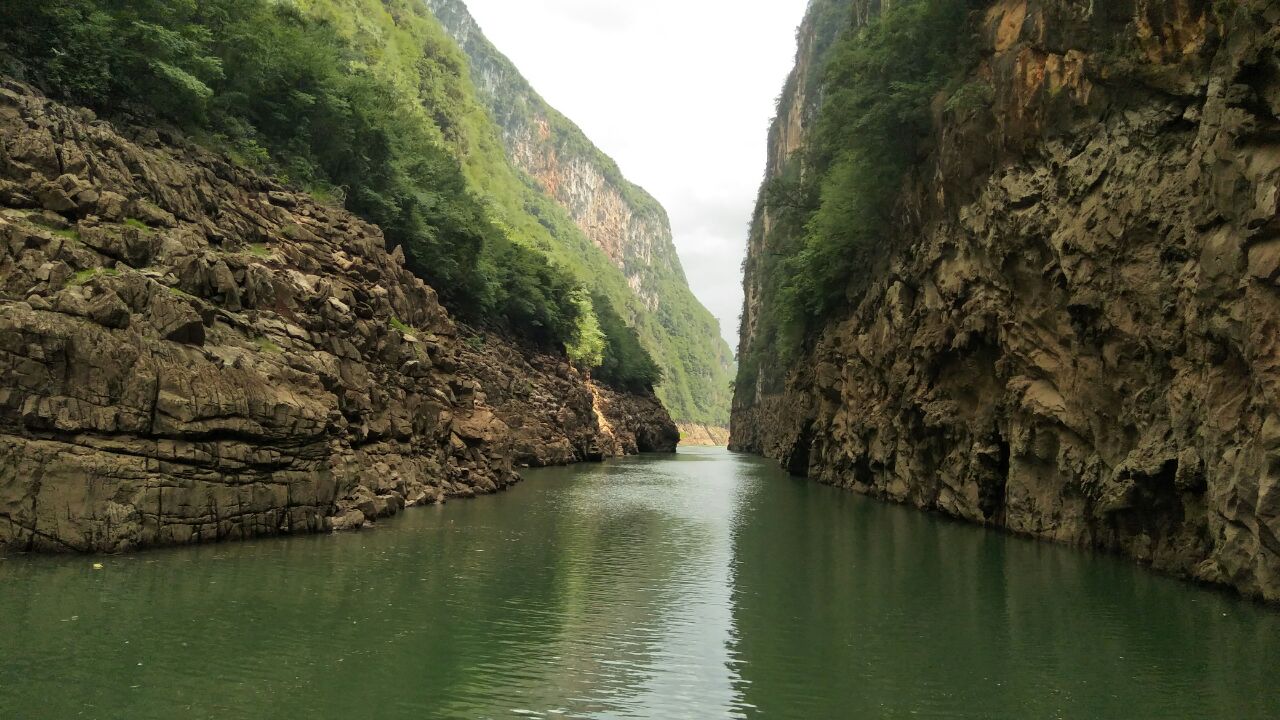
(679, 92)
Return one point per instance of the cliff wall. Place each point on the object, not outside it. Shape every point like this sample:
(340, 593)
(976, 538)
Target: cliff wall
(191, 353)
(1076, 337)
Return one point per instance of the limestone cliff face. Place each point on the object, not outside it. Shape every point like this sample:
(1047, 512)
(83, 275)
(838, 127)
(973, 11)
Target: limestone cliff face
(1078, 337)
(798, 108)
(190, 353)
(618, 217)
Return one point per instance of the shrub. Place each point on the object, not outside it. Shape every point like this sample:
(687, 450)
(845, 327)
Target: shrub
(625, 363)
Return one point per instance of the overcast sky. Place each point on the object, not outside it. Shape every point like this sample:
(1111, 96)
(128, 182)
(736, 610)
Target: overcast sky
(680, 93)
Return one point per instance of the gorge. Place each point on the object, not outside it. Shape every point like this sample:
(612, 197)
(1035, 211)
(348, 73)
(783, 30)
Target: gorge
(1001, 438)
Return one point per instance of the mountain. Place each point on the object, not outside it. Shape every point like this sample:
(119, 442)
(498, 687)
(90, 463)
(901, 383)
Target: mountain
(1016, 262)
(265, 268)
(193, 353)
(618, 217)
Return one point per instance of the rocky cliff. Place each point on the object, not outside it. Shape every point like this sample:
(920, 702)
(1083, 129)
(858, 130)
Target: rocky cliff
(191, 353)
(616, 216)
(1075, 338)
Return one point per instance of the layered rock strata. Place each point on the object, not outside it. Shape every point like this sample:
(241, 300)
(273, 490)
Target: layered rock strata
(191, 353)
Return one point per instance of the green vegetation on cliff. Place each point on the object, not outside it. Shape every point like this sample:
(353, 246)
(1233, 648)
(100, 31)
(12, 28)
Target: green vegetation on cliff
(626, 363)
(833, 209)
(365, 101)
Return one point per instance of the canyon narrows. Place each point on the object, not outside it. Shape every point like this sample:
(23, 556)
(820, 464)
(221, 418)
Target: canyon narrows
(282, 280)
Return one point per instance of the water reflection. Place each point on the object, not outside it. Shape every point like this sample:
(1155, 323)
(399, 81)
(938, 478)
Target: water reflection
(704, 586)
(600, 591)
(849, 608)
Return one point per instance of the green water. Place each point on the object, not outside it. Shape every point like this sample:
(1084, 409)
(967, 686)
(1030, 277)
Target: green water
(706, 585)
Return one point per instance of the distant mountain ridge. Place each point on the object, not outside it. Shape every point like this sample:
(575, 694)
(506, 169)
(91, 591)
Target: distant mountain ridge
(619, 217)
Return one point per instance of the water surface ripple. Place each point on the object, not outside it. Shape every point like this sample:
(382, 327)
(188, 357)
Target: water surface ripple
(706, 585)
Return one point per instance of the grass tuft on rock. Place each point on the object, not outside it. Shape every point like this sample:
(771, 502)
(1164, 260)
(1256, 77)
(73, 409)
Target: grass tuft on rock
(84, 276)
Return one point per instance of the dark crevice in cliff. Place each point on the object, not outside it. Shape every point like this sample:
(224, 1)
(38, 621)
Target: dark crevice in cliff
(33, 534)
(994, 491)
(797, 462)
(1153, 505)
(213, 438)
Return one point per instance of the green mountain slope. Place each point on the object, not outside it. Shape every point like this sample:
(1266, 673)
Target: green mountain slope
(618, 217)
(372, 103)
(402, 40)
(368, 102)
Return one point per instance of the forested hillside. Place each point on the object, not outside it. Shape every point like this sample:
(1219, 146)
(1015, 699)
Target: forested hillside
(365, 103)
(619, 217)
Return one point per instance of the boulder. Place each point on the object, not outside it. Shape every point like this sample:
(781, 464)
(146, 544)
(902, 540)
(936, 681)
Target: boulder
(173, 317)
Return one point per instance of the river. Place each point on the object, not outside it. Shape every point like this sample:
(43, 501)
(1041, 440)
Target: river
(702, 585)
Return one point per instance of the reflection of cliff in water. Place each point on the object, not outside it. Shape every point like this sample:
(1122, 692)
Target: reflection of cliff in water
(893, 613)
(701, 585)
(639, 598)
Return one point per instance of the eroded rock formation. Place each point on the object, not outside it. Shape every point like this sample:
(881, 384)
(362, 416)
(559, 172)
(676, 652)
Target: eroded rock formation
(190, 353)
(1078, 337)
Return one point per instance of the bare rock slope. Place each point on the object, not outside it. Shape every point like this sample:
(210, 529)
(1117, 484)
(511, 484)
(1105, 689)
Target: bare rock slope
(191, 353)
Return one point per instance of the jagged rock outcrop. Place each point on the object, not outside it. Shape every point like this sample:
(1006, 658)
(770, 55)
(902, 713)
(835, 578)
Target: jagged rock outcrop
(191, 353)
(1078, 337)
(618, 217)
